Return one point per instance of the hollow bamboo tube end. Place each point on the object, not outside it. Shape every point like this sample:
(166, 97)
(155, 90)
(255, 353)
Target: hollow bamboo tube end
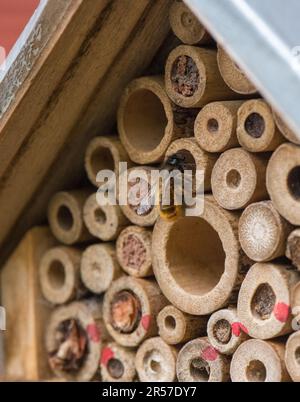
(283, 181)
(265, 298)
(225, 332)
(257, 131)
(156, 361)
(216, 124)
(263, 232)
(129, 310)
(104, 153)
(180, 259)
(295, 307)
(192, 77)
(259, 361)
(177, 327)
(134, 251)
(117, 364)
(293, 248)
(238, 179)
(65, 216)
(194, 158)
(103, 221)
(285, 130)
(138, 208)
(145, 120)
(186, 26)
(73, 340)
(60, 274)
(198, 361)
(292, 356)
(234, 77)
(99, 267)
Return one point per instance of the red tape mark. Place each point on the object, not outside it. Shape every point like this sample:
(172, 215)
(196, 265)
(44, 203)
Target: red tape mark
(106, 355)
(237, 328)
(210, 354)
(93, 332)
(282, 312)
(146, 321)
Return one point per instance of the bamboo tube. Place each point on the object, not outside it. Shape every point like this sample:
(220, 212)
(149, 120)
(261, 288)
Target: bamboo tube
(216, 124)
(192, 77)
(148, 121)
(156, 361)
(176, 327)
(234, 77)
(103, 221)
(238, 179)
(256, 130)
(117, 364)
(59, 273)
(186, 26)
(265, 297)
(184, 249)
(198, 361)
(73, 340)
(129, 310)
(293, 248)
(133, 250)
(285, 130)
(99, 267)
(259, 361)
(292, 356)
(140, 213)
(104, 153)
(263, 232)
(194, 158)
(225, 332)
(65, 216)
(295, 305)
(283, 181)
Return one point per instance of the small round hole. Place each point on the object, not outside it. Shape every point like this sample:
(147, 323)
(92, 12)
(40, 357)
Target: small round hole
(102, 159)
(213, 126)
(57, 274)
(255, 125)
(297, 355)
(100, 216)
(187, 19)
(256, 371)
(155, 366)
(200, 370)
(65, 218)
(115, 368)
(170, 322)
(263, 302)
(222, 331)
(233, 179)
(293, 182)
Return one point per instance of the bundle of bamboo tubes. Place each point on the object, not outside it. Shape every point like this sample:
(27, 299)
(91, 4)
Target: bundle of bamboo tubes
(214, 297)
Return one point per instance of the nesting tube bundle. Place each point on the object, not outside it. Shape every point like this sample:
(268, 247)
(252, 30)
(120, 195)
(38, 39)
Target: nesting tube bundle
(199, 280)
(156, 361)
(238, 179)
(265, 297)
(60, 275)
(73, 340)
(263, 232)
(103, 221)
(225, 332)
(176, 327)
(65, 216)
(216, 125)
(232, 74)
(117, 363)
(130, 308)
(134, 251)
(198, 361)
(186, 26)
(99, 267)
(257, 131)
(192, 77)
(259, 361)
